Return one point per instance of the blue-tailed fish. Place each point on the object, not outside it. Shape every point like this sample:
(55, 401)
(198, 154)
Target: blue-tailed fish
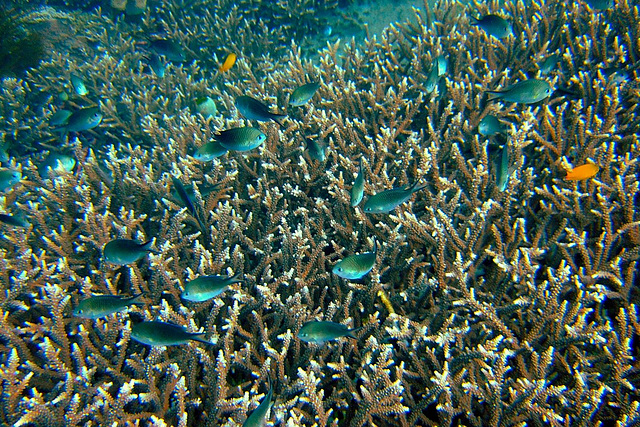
(241, 138)
(258, 417)
(386, 201)
(60, 118)
(16, 221)
(503, 170)
(490, 125)
(56, 162)
(160, 333)
(78, 84)
(125, 251)
(103, 305)
(317, 332)
(209, 151)
(253, 109)
(549, 63)
(493, 25)
(303, 94)
(8, 178)
(357, 189)
(206, 106)
(204, 288)
(168, 48)
(83, 119)
(524, 92)
(356, 266)
(186, 201)
(157, 64)
(432, 78)
(316, 150)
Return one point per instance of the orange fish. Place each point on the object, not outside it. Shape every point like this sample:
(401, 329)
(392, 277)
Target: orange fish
(228, 63)
(582, 172)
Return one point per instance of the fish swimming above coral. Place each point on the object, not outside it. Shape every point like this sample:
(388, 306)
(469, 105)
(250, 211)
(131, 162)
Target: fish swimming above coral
(319, 332)
(8, 178)
(99, 306)
(490, 125)
(494, 25)
(14, 220)
(524, 92)
(357, 189)
(258, 417)
(580, 173)
(168, 48)
(125, 251)
(82, 119)
(243, 138)
(204, 288)
(303, 94)
(388, 200)
(156, 333)
(210, 151)
(253, 109)
(356, 266)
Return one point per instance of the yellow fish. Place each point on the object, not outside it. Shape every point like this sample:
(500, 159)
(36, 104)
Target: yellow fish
(583, 172)
(228, 63)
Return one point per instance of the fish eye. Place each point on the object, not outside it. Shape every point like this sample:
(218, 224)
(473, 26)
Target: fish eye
(339, 269)
(79, 311)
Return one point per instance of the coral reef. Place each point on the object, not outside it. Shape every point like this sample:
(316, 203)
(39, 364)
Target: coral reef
(484, 307)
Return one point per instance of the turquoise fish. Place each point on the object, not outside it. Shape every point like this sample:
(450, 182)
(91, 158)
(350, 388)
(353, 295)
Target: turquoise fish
(204, 288)
(157, 333)
(103, 305)
(258, 417)
(388, 200)
(357, 189)
(356, 266)
(241, 138)
(524, 92)
(318, 332)
(125, 251)
(303, 94)
(253, 109)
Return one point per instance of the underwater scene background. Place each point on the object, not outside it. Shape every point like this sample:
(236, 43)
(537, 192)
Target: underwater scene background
(495, 285)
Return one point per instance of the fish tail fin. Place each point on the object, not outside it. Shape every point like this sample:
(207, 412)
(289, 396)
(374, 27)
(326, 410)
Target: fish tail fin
(474, 20)
(352, 332)
(237, 278)
(136, 299)
(415, 187)
(494, 94)
(278, 119)
(200, 338)
(147, 247)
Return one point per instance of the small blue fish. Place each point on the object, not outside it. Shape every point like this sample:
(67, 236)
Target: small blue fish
(253, 109)
(8, 178)
(78, 84)
(258, 417)
(16, 221)
(157, 333)
(204, 288)
(103, 305)
(316, 150)
(56, 163)
(357, 266)
(317, 332)
(549, 63)
(494, 25)
(357, 189)
(83, 119)
(386, 201)
(168, 48)
(490, 125)
(60, 118)
(241, 138)
(157, 64)
(125, 251)
(524, 92)
(503, 171)
(206, 106)
(303, 94)
(209, 151)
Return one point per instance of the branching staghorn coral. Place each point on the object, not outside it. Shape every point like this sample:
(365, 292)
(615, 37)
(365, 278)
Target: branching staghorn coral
(511, 307)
